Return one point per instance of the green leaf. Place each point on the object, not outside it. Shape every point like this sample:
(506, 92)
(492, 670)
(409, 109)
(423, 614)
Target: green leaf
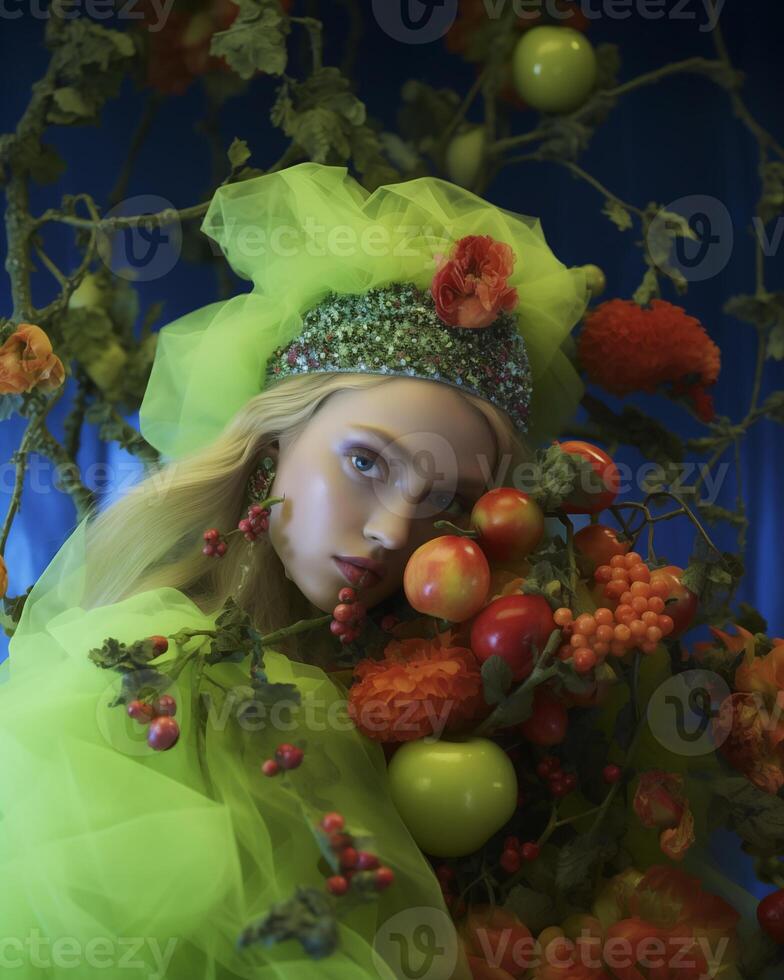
(496, 679)
(618, 214)
(757, 817)
(239, 153)
(648, 288)
(114, 655)
(579, 857)
(319, 114)
(771, 203)
(255, 41)
(70, 102)
(532, 908)
(308, 916)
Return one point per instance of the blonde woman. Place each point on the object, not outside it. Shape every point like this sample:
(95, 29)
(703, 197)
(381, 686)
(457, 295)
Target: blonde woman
(395, 357)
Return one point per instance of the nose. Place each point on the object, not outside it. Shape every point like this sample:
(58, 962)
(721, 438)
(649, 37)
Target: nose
(391, 518)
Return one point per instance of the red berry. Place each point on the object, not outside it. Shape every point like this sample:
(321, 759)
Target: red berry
(570, 781)
(347, 595)
(220, 549)
(359, 612)
(337, 885)
(512, 844)
(141, 711)
(244, 525)
(163, 733)
(770, 915)
(337, 629)
(337, 841)
(530, 851)
(443, 872)
(389, 622)
(510, 861)
(270, 768)
(165, 705)
(212, 534)
(558, 787)
(343, 613)
(160, 643)
(384, 878)
(547, 766)
(288, 756)
(611, 774)
(348, 858)
(208, 549)
(332, 821)
(368, 862)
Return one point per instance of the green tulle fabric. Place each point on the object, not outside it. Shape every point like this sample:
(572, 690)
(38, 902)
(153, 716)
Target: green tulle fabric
(100, 836)
(303, 231)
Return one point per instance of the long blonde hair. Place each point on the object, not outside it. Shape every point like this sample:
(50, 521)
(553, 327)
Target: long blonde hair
(152, 536)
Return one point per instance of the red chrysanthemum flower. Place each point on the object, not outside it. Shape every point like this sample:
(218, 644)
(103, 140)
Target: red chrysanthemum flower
(624, 348)
(419, 688)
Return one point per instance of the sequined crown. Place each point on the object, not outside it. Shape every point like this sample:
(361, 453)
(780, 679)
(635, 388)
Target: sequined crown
(401, 330)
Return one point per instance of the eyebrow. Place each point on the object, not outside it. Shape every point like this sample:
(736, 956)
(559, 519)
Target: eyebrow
(467, 482)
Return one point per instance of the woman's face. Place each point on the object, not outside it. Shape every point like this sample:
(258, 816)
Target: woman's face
(368, 476)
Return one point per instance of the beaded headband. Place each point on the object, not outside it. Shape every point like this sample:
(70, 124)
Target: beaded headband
(461, 333)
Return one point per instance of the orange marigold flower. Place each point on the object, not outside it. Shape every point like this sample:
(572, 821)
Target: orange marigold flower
(751, 740)
(624, 348)
(661, 803)
(27, 361)
(420, 687)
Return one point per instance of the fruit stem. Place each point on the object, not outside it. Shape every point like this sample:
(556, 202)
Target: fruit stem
(459, 531)
(301, 626)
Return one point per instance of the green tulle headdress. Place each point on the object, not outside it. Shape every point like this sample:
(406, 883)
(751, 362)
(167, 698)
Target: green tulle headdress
(379, 283)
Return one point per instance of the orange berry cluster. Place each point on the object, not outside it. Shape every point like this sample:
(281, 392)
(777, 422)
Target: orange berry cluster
(638, 621)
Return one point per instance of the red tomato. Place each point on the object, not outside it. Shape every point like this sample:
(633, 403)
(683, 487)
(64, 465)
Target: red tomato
(770, 915)
(447, 577)
(596, 544)
(509, 627)
(589, 499)
(491, 931)
(548, 720)
(510, 522)
(683, 610)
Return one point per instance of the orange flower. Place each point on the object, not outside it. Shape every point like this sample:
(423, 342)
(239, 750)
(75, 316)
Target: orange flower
(661, 803)
(27, 362)
(751, 742)
(470, 287)
(624, 347)
(418, 688)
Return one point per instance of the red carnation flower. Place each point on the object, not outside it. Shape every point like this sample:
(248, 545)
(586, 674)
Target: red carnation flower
(624, 347)
(470, 287)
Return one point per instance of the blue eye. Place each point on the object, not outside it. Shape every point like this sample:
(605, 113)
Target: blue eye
(364, 456)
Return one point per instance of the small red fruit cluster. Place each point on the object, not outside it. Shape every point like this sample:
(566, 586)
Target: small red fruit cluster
(347, 616)
(287, 756)
(159, 715)
(351, 861)
(447, 879)
(255, 524)
(560, 783)
(514, 853)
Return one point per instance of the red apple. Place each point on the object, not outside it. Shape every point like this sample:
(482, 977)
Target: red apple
(447, 577)
(510, 522)
(509, 627)
(592, 499)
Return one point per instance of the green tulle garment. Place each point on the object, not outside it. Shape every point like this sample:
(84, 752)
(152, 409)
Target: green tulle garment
(101, 836)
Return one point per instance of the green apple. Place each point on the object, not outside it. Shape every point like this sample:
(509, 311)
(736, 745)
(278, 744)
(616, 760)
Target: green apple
(454, 793)
(465, 155)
